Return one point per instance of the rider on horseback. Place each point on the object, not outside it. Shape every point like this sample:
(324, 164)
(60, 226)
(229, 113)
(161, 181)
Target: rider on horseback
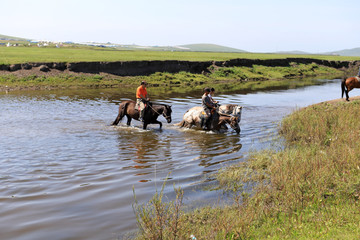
(211, 94)
(141, 99)
(208, 107)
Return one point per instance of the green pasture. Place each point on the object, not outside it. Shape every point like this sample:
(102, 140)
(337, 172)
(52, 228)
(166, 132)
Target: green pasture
(11, 55)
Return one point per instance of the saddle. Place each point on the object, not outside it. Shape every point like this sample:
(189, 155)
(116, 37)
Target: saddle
(203, 115)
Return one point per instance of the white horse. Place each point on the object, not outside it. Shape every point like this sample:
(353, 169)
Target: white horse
(231, 109)
(193, 118)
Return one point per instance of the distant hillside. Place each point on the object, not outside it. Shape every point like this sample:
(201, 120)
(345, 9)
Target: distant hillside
(11, 38)
(346, 52)
(293, 52)
(205, 47)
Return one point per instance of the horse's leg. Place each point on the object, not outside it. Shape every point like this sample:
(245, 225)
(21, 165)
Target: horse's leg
(347, 90)
(145, 125)
(128, 120)
(156, 121)
(117, 120)
(122, 111)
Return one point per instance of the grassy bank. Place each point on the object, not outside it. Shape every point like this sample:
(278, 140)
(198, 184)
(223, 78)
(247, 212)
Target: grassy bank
(225, 79)
(14, 55)
(309, 190)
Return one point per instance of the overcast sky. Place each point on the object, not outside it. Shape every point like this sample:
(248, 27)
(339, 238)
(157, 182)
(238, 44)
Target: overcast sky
(251, 25)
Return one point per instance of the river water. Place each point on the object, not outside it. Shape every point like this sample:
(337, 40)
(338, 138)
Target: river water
(67, 174)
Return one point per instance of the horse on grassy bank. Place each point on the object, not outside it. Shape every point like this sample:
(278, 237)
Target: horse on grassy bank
(348, 84)
(194, 115)
(151, 113)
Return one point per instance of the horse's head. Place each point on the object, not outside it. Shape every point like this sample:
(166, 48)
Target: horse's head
(167, 113)
(234, 123)
(237, 111)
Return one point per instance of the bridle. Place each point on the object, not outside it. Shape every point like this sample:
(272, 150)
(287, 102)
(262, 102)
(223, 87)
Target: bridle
(165, 116)
(229, 122)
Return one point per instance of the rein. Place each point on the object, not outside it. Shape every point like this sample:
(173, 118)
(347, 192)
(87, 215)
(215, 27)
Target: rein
(228, 121)
(226, 115)
(157, 111)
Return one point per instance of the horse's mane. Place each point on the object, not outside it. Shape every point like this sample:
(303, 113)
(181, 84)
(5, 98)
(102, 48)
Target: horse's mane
(161, 104)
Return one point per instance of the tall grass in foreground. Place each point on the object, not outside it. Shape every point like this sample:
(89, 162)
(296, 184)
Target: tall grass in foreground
(309, 190)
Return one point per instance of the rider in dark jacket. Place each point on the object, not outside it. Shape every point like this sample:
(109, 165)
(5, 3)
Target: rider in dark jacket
(208, 106)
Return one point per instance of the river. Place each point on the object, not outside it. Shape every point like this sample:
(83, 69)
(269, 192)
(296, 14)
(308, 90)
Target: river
(67, 174)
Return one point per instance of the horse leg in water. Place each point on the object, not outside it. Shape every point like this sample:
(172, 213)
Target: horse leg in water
(152, 122)
(128, 120)
(156, 121)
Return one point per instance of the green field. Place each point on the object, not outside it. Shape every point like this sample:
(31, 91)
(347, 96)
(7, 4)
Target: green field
(11, 55)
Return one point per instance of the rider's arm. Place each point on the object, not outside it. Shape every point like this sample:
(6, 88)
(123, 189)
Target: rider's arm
(142, 97)
(210, 106)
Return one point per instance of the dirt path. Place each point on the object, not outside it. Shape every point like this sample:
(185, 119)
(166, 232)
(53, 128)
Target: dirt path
(341, 100)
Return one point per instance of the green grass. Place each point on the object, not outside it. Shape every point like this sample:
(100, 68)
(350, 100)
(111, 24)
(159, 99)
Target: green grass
(222, 79)
(308, 190)
(14, 55)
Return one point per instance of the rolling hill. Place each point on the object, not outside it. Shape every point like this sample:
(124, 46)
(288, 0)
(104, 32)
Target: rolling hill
(206, 47)
(11, 38)
(201, 47)
(346, 52)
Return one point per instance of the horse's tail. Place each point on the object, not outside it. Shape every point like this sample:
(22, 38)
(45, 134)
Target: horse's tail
(180, 124)
(343, 86)
(122, 110)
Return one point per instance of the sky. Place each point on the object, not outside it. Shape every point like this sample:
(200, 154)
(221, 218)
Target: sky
(313, 26)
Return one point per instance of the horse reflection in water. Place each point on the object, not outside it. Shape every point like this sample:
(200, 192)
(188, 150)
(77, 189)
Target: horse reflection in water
(212, 150)
(193, 118)
(152, 112)
(140, 150)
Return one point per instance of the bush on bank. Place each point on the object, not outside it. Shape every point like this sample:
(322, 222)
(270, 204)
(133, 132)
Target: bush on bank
(308, 190)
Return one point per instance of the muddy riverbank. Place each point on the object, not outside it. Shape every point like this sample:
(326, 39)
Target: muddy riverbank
(175, 76)
(139, 68)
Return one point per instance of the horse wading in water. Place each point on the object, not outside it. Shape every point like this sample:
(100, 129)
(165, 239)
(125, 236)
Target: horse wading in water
(231, 109)
(152, 111)
(193, 118)
(348, 84)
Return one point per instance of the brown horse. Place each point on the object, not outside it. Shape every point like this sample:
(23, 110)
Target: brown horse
(348, 84)
(152, 111)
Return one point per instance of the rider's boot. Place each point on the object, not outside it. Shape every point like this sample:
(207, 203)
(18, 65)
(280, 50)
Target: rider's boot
(141, 118)
(207, 123)
(202, 123)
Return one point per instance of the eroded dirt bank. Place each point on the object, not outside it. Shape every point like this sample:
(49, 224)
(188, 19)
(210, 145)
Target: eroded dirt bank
(139, 68)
